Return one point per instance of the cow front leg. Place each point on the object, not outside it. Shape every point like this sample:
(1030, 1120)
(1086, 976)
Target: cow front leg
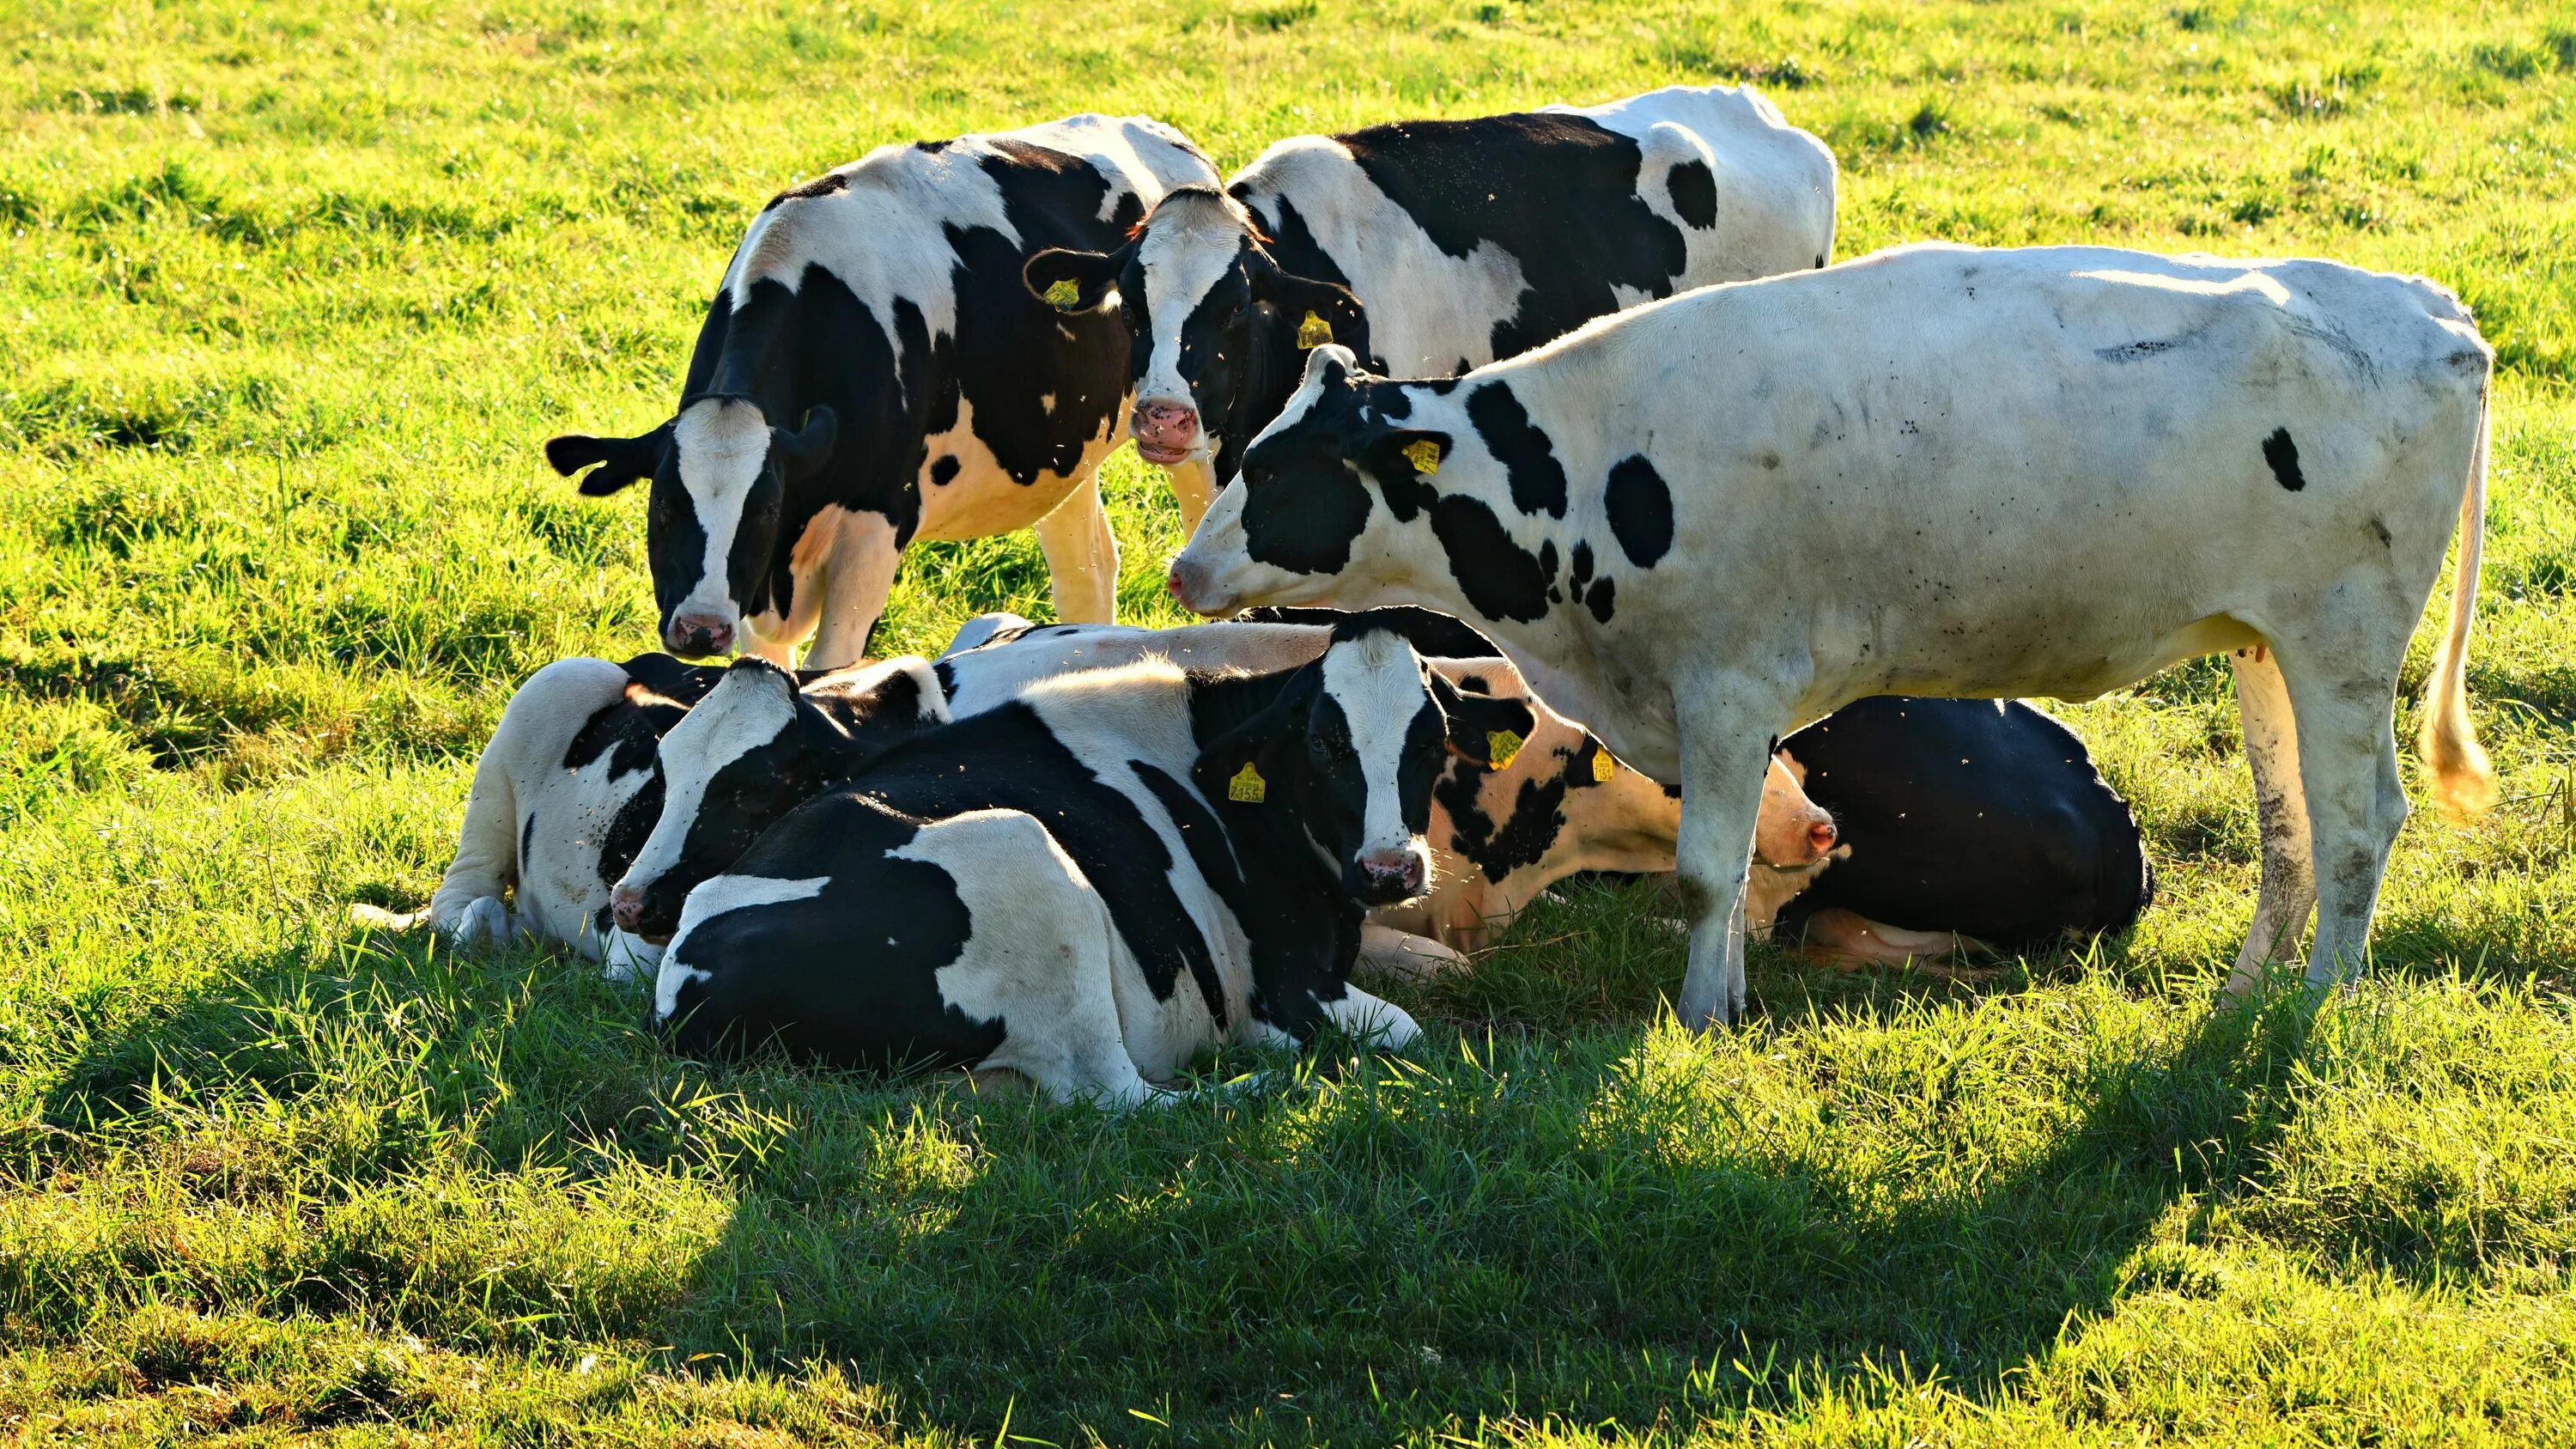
(1082, 556)
(857, 575)
(1193, 488)
(1725, 754)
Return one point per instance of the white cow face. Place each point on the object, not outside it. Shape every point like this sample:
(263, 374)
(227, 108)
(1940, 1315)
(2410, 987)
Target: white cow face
(720, 482)
(1324, 504)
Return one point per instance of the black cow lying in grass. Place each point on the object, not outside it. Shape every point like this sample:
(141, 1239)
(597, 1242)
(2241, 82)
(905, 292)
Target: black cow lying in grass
(1088, 884)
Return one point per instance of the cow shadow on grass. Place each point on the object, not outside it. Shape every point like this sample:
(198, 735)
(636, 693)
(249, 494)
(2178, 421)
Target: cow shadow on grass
(1595, 1229)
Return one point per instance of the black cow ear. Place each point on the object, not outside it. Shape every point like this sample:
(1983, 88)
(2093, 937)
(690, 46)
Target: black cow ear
(1244, 764)
(1071, 281)
(803, 451)
(1403, 454)
(1317, 311)
(1482, 729)
(621, 460)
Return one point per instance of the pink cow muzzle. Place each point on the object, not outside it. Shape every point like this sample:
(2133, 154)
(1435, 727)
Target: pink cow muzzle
(1165, 431)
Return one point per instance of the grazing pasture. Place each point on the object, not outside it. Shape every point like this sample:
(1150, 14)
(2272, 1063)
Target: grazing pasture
(289, 295)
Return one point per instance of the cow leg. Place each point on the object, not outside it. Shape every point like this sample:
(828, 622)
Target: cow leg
(1402, 953)
(1371, 1019)
(2348, 769)
(1082, 556)
(1194, 488)
(1726, 755)
(2288, 889)
(857, 576)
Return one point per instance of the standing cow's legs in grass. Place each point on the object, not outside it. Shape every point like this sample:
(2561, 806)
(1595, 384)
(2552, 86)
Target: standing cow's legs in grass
(2342, 695)
(2289, 887)
(1194, 487)
(1082, 556)
(855, 584)
(1725, 756)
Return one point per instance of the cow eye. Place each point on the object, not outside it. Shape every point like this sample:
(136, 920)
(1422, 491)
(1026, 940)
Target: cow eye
(1319, 747)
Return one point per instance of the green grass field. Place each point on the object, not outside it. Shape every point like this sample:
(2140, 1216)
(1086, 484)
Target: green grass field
(288, 299)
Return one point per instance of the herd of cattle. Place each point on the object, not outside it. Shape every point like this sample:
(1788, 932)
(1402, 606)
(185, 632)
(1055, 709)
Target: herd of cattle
(1664, 486)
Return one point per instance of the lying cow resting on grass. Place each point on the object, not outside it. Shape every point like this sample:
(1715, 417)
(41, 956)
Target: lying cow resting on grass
(1432, 247)
(872, 371)
(570, 788)
(1938, 470)
(1089, 883)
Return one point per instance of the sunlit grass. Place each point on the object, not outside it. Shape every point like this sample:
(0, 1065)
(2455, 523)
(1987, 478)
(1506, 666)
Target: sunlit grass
(289, 295)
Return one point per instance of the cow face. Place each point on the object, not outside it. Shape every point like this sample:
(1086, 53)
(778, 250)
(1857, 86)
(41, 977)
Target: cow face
(720, 476)
(1321, 506)
(755, 748)
(1350, 749)
(1217, 325)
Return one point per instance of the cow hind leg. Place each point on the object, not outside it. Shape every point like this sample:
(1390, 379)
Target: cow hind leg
(2288, 888)
(2347, 748)
(1082, 556)
(1042, 959)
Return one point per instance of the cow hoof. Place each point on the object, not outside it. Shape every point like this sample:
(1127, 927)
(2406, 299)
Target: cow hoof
(483, 926)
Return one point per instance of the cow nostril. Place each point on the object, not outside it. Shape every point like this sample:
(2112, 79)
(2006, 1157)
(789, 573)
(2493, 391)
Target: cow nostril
(1820, 836)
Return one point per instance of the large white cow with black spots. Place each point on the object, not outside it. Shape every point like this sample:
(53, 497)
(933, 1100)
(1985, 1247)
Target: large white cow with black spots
(1430, 247)
(1939, 470)
(872, 371)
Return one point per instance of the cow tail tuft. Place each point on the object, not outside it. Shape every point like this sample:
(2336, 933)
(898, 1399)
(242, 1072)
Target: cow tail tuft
(2463, 779)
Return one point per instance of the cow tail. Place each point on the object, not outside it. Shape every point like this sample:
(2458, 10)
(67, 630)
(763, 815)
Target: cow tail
(487, 849)
(2463, 779)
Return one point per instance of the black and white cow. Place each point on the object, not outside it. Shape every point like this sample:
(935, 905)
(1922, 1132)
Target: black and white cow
(872, 371)
(1088, 884)
(570, 787)
(1431, 247)
(1970, 824)
(1939, 470)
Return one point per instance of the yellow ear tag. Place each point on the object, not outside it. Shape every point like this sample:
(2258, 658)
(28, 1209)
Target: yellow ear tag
(1501, 748)
(1064, 294)
(1247, 786)
(1604, 768)
(1424, 454)
(1313, 332)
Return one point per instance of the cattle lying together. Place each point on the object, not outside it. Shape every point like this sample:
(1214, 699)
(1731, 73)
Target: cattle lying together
(1773, 539)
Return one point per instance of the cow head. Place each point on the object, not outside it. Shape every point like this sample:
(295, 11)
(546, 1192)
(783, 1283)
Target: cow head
(1322, 503)
(1217, 325)
(1346, 754)
(720, 474)
(755, 748)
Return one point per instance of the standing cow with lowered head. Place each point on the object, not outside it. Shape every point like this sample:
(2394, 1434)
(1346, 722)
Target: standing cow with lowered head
(1431, 247)
(1939, 470)
(872, 371)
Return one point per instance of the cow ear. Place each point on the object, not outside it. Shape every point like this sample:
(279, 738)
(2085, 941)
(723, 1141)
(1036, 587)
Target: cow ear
(1329, 367)
(1259, 745)
(1071, 281)
(621, 460)
(803, 451)
(1482, 729)
(1316, 311)
(1403, 454)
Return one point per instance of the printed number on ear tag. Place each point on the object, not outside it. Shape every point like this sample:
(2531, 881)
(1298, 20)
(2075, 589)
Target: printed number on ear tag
(1313, 332)
(1064, 294)
(1604, 768)
(1501, 748)
(1424, 454)
(1247, 786)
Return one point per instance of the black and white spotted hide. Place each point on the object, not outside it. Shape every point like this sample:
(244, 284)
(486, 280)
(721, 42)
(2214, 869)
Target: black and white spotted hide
(872, 371)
